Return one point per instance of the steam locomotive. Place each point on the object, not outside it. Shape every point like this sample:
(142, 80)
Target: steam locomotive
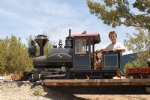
(76, 60)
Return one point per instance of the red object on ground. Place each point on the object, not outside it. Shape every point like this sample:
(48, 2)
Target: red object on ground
(138, 72)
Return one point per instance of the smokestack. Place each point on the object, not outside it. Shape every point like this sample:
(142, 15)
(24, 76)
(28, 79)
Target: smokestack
(41, 40)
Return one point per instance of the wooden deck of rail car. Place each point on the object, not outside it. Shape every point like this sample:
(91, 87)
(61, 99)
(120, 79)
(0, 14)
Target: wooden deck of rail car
(97, 82)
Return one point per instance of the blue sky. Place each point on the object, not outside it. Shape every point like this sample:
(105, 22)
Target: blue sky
(53, 18)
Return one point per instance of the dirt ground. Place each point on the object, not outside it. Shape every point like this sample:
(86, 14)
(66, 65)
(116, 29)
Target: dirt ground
(17, 90)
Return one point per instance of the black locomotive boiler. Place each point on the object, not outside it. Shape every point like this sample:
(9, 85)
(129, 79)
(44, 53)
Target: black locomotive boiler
(76, 60)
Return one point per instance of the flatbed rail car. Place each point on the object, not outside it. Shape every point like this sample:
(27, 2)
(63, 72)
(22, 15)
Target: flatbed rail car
(98, 82)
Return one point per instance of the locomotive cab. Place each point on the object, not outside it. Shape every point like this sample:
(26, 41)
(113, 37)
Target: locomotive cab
(84, 47)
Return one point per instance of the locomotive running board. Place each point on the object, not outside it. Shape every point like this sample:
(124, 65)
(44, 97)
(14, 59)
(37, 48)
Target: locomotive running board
(97, 82)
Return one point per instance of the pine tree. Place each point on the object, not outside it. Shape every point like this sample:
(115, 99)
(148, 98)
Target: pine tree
(13, 56)
(120, 12)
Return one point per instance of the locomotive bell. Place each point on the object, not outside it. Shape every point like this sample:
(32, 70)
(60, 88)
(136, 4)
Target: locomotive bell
(41, 40)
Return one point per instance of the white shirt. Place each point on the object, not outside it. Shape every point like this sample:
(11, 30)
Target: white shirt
(118, 45)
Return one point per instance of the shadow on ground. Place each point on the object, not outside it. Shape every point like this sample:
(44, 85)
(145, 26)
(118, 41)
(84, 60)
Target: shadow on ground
(59, 94)
(66, 93)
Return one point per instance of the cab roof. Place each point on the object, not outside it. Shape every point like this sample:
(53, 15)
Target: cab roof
(95, 37)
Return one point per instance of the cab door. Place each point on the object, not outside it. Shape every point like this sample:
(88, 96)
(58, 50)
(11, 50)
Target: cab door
(81, 55)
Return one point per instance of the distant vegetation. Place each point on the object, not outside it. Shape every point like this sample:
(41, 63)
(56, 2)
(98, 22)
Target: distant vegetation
(14, 55)
(138, 43)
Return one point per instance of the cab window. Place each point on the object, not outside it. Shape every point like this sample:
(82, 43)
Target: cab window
(80, 46)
